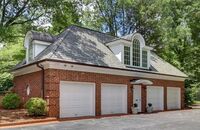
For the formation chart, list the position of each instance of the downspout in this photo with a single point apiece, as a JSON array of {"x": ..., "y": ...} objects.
[{"x": 42, "y": 87}]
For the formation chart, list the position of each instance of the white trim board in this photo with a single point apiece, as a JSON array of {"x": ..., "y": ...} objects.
[{"x": 93, "y": 69}]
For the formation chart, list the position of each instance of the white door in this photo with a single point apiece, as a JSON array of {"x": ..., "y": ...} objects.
[
  {"x": 173, "y": 98},
  {"x": 113, "y": 98},
  {"x": 77, "y": 99},
  {"x": 155, "y": 96},
  {"x": 137, "y": 96}
]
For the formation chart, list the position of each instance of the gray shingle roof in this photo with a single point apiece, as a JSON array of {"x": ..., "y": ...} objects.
[
  {"x": 82, "y": 45},
  {"x": 43, "y": 36},
  {"x": 163, "y": 67}
]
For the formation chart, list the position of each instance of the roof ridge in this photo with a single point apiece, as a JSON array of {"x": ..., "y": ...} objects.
[
  {"x": 93, "y": 30},
  {"x": 59, "y": 41},
  {"x": 34, "y": 31},
  {"x": 116, "y": 37}
]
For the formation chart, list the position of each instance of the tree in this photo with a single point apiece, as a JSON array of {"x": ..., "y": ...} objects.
[
  {"x": 171, "y": 27},
  {"x": 104, "y": 15},
  {"x": 10, "y": 55},
  {"x": 19, "y": 16},
  {"x": 64, "y": 15},
  {"x": 14, "y": 13}
]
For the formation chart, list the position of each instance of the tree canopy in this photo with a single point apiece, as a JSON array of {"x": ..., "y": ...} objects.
[{"x": 171, "y": 27}]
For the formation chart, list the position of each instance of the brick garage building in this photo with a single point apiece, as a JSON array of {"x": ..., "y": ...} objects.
[{"x": 82, "y": 72}]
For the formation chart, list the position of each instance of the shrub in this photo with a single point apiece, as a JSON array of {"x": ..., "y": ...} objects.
[
  {"x": 189, "y": 96},
  {"x": 11, "y": 101},
  {"x": 36, "y": 107},
  {"x": 5, "y": 82}
]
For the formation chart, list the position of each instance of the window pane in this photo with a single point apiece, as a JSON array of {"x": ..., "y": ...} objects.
[
  {"x": 136, "y": 52},
  {"x": 144, "y": 58},
  {"x": 126, "y": 55}
]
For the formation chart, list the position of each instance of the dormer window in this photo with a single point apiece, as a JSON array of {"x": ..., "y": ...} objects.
[
  {"x": 35, "y": 43},
  {"x": 34, "y": 48},
  {"x": 144, "y": 58},
  {"x": 136, "y": 52},
  {"x": 127, "y": 53},
  {"x": 131, "y": 51}
]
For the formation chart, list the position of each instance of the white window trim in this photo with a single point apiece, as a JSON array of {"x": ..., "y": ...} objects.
[
  {"x": 131, "y": 58},
  {"x": 27, "y": 51},
  {"x": 40, "y": 42},
  {"x": 34, "y": 42},
  {"x": 147, "y": 57},
  {"x": 123, "y": 54},
  {"x": 142, "y": 47}
]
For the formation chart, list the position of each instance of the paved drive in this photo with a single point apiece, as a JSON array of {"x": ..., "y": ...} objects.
[{"x": 173, "y": 120}]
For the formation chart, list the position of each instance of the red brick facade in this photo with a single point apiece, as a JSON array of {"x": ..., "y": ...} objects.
[
  {"x": 33, "y": 80},
  {"x": 53, "y": 78}
]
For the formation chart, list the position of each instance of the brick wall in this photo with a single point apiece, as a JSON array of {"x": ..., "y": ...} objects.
[
  {"x": 33, "y": 80},
  {"x": 53, "y": 78}
]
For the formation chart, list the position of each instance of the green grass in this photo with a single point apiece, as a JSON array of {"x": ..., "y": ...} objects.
[{"x": 196, "y": 102}]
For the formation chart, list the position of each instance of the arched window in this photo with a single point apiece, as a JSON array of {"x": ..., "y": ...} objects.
[{"x": 136, "y": 52}]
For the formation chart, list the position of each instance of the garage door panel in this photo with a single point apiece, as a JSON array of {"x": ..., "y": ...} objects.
[
  {"x": 173, "y": 98},
  {"x": 113, "y": 98},
  {"x": 155, "y": 96},
  {"x": 77, "y": 99}
]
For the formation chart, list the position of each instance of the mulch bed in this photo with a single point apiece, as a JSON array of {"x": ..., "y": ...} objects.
[
  {"x": 12, "y": 117},
  {"x": 1, "y": 97}
]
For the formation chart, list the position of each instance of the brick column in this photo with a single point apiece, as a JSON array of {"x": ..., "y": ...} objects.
[
  {"x": 52, "y": 83},
  {"x": 144, "y": 97},
  {"x": 129, "y": 97},
  {"x": 182, "y": 97},
  {"x": 98, "y": 99},
  {"x": 165, "y": 97}
]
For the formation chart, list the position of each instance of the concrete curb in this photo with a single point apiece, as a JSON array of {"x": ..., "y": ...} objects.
[{"x": 21, "y": 123}]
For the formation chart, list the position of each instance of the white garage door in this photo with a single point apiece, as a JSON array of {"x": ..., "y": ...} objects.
[
  {"x": 173, "y": 98},
  {"x": 77, "y": 99},
  {"x": 155, "y": 96},
  {"x": 113, "y": 98}
]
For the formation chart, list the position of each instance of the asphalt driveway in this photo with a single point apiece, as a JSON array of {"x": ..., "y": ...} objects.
[{"x": 173, "y": 120}]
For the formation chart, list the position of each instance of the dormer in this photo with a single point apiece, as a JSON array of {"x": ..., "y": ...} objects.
[
  {"x": 132, "y": 51},
  {"x": 35, "y": 43}
]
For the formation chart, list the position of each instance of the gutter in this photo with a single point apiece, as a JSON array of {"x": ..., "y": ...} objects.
[{"x": 42, "y": 87}]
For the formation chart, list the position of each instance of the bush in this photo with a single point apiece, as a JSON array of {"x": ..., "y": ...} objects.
[
  {"x": 36, "y": 107},
  {"x": 11, "y": 101},
  {"x": 191, "y": 89},
  {"x": 189, "y": 96},
  {"x": 5, "y": 82}
]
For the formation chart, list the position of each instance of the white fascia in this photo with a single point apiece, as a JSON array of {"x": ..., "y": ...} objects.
[{"x": 95, "y": 69}]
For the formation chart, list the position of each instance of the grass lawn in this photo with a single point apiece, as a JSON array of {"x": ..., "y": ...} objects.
[{"x": 196, "y": 102}]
